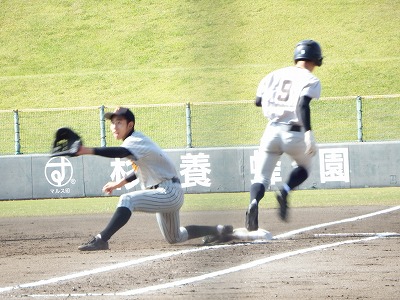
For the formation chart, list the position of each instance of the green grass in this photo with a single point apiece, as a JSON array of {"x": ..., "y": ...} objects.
[
  {"x": 61, "y": 54},
  {"x": 208, "y": 201},
  {"x": 88, "y": 53}
]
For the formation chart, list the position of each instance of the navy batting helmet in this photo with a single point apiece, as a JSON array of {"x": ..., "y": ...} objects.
[{"x": 308, "y": 50}]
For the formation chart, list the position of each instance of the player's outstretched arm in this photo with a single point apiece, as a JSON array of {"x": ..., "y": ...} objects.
[
  {"x": 85, "y": 151},
  {"x": 110, "y": 152}
]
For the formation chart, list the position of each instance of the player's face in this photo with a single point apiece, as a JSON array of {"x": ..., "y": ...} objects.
[{"x": 120, "y": 127}]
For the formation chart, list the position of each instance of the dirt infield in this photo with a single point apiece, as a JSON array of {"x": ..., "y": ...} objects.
[{"x": 344, "y": 260}]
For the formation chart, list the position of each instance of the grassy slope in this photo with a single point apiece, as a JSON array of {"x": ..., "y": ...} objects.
[{"x": 86, "y": 53}]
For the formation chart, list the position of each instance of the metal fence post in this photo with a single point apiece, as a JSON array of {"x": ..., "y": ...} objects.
[
  {"x": 16, "y": 133},
  {"x": 188, "y": 126},
  {"x": 103, "y": 141},
  {"x": 359, "y": 119}
]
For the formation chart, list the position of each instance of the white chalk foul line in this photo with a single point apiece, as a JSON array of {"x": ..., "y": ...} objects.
[
  {"x": 242, "y": 267},
  {"x": 107, "y": 268},
  {"x": 249, "y": 265},
  {"x": 293, "y": 232},
  {"x": 357, "y": 234},
  {"x": 170, "y": 254}
]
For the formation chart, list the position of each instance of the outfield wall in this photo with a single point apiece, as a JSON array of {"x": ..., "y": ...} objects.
[{"x": 202, "y": 170}]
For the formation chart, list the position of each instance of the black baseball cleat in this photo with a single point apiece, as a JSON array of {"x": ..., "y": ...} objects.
[
  {"x": 94, "y": 244},
  {"x": 252, "y": 217},
  {"x": 281, "y": 197},
  {"x": 224, "y": 236}
]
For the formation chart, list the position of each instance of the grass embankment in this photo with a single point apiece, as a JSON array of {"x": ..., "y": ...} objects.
[{"x": 80, "y": 53}]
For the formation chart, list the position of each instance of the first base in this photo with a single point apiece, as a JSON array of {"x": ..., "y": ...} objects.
[{"x": 244, "y": 235}]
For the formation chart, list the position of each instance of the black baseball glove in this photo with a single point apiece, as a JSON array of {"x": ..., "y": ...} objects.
[{"x": 66, "y": 143}]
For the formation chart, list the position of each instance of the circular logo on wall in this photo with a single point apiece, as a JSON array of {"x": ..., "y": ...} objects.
[{"x": 58, "y": 171}]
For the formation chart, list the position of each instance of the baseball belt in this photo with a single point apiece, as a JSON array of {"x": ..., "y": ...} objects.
[
  {"x": 294, "y": 128},
  {"x": 173, "y": 179}
]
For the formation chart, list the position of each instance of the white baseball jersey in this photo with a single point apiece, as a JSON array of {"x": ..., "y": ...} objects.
[
  {"x": 149, "y": 162},
  {"x": 281, "y": 91},
  {"x": 154, "y": 168}
]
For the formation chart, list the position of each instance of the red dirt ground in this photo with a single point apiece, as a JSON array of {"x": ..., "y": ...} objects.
[{"x": 34, "y": 249}]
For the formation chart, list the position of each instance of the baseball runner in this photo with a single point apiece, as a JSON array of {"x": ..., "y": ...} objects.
[
  {"x": 161, "y": 191},
  {"x": 285, "y": 96}
]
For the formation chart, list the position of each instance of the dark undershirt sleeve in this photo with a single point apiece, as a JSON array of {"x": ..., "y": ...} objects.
[
  {"x": 257, "y": 101},
  {"x": 131, "y": 177},
  {"x": 305, "y": 112},
  {"x": 112, "y": 152}
]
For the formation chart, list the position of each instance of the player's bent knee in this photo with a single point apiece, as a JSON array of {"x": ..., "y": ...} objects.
[
  {"x": 303, "y": 171},
  {"x": 171, "y": 242},
  {"x": 181, "y": 237},
  {"x": 262, "y": 181},
  {"x": 125, "y": 201},
  {"x": 174, "y": 240}
]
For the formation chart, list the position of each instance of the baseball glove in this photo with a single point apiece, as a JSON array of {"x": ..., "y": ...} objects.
[{"x": 66, "y": 143}]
